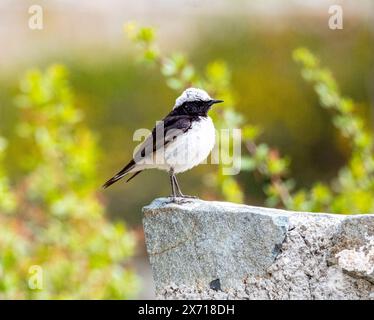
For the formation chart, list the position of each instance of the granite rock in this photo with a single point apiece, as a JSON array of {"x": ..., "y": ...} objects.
[{"x": 218, "y": 250}]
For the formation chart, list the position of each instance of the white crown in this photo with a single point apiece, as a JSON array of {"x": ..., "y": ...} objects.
[{"x": 192, "y": 94}]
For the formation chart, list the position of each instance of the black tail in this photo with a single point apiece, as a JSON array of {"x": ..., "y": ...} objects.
[
  {"x": 121, "y": 174},
  {"x": 113, "y": 180},
  {"x": 119, "y": 177}
]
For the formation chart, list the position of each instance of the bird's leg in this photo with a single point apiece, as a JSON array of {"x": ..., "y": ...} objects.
[
  {"x": 173, "y": 194},
  {"x": 179, "y": 192}
]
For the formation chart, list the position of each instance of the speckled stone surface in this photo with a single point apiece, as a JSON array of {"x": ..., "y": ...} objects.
[{"x": 217, "y": 250}]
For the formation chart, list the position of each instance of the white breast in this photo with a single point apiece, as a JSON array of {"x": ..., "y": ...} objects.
[{"x": 191, "y": 148}]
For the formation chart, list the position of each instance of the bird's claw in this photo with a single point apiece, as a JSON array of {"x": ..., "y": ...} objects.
[
  {"x": 180, "y": 199},
  {"x": 188, "y": 197}
]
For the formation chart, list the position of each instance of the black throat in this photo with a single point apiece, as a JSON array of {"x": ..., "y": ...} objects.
[{"x": 198, "y": 108}]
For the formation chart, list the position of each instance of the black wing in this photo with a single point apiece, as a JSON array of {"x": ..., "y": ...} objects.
[{"x": 171, "y": 127}]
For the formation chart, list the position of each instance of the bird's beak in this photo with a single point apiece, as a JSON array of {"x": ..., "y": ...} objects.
[{"x": 215, "y": 101}]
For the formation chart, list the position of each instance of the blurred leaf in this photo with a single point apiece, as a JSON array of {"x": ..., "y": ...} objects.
[{"x": 57, "y": 220}]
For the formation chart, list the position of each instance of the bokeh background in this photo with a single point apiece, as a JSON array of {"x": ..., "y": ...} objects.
[{"x": 119, "y": 95}]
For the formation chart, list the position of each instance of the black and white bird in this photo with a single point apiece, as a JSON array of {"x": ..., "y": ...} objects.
[{"x": 182, "y": 140}]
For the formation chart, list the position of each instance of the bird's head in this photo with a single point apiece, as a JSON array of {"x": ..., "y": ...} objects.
[{"x": 194, "y": 101}]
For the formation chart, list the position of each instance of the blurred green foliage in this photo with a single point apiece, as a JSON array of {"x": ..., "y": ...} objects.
[
  {"x": 351, "y": 192},
  {"x": 52, "y": 216}
]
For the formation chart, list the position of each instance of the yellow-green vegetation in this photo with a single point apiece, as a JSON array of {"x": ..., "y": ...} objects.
[
  {"x": 51, "y": 217},
  {"x": 352, "y": 191}
]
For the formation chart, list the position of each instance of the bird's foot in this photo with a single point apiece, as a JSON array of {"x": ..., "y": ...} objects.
[
  {"x": 179, "y": 199},
  {"x": 188, "y": 197}
]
